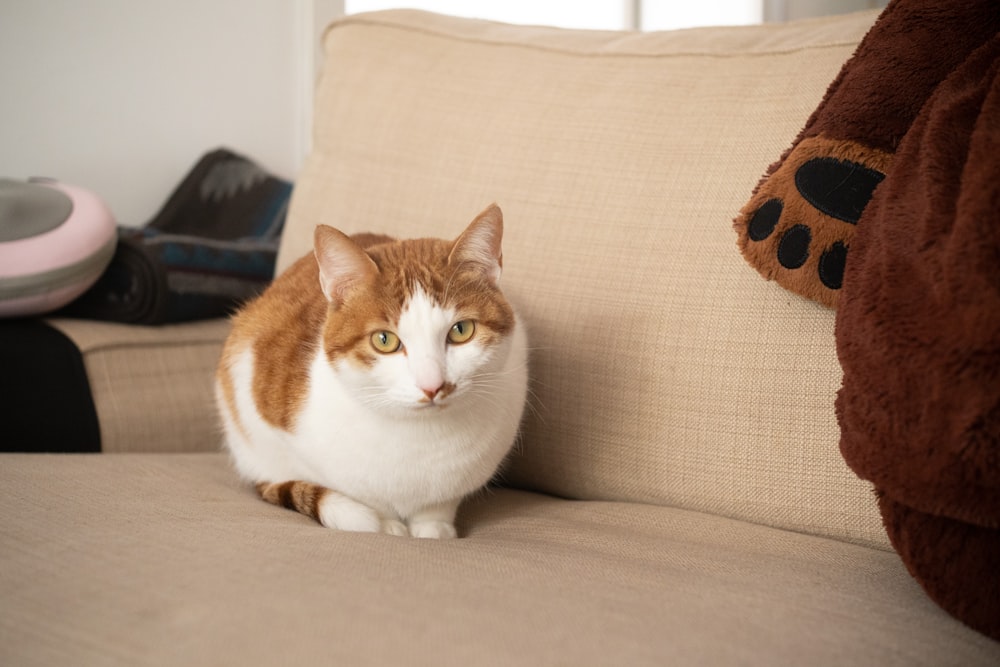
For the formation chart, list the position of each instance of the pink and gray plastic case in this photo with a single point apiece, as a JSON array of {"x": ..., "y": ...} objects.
[{"x": 55, "y": 242}]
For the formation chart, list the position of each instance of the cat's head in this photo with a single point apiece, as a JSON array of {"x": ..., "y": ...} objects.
[{"x": 416, "y": 324}]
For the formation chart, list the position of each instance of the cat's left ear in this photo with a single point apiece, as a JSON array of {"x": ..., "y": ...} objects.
[
  {"x": 480, "y": 244},
  {"x": 343, "y": 265}
]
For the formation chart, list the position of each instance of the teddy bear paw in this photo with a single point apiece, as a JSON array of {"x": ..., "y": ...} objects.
[{"x": 797, "y": 227}]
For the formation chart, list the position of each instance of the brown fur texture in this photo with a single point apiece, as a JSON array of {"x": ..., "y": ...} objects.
[
  {"x": 886, "y": 206},
  {"x": 918, "y": 336},
  {"x": 854, "y": 133}
]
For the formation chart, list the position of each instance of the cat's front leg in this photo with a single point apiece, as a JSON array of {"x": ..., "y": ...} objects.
[
  {"x": 344, "y": 513},
  {"x": 435, "y": 521}
]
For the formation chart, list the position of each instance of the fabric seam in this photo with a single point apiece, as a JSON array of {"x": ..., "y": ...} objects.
[{"x": 361, "y": 20}]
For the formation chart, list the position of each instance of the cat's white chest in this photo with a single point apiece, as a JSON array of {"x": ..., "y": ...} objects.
[{"x": 400, "y": 463}]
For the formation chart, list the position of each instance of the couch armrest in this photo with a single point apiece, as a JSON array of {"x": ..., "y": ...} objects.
[{"x": 152, "y": 386}]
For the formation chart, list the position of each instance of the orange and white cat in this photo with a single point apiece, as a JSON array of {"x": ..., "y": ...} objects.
[{"x": 376, "y": 382}]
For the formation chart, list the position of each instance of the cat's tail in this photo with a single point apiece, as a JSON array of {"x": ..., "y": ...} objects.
[
  {"x": 303, "y": 497},
  {"x": 330, "y": 508}
]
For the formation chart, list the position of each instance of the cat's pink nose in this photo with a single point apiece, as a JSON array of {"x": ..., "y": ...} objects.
[{"x": 431, "y": 392}]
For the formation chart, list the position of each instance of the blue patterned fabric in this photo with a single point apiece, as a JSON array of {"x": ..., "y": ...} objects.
[{"x": 211, "y": 246}]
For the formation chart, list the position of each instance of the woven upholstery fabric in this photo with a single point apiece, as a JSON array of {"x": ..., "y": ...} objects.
[
  {"x": 168, "y": 560},
  {"x": 152, "y": 386},
  {"x": 664, "y": 370}
]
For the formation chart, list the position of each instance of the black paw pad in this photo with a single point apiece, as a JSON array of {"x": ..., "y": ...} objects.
[
  {"x": 831, "y": 265},
  {"x": 764, "y": 220},
  {"x": 793, "y": 249},
  {"x": 839, "y": 188}
]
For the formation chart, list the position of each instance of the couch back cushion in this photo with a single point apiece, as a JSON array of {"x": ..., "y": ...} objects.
[{"x": 665, "y": 370}]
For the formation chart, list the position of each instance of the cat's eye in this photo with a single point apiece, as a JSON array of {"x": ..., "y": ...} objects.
[
  {"x": 385, "y": 342},
  {"x": 462, "y": 331}
]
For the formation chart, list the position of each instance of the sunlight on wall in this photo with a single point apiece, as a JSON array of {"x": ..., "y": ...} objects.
[
  {"x": 595, "y": 14},
  {"x": 606, "y": 15},
  {"x": 671, "y": 15}
]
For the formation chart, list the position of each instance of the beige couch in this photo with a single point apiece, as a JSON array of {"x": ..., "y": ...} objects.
[{"x": 678, "y": 496}]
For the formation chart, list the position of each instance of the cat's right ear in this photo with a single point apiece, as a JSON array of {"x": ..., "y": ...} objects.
[
  {"x": 479, "y": 244},
  {"x": 343, "y": 265}
]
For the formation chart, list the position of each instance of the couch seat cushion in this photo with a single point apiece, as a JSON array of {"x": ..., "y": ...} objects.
[{"x": 148, "y": 559}]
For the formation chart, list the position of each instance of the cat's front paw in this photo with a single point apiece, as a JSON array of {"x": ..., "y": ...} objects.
[
  {"x": 437, "y": 530},
  {"x": 394, "y": 527},
  {"x": 342, "y": 513}
]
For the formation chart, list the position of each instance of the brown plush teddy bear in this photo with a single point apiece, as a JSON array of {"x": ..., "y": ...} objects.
[
  {"x": 887, "y": 207},
  {"x": 797, "y": 227}
]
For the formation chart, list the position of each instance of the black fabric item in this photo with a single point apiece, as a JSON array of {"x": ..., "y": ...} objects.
[
  {"x": 225, "y": 196},
  {"x": 44, "y": 391},
  {"x": 131, "y": 289},
  {"x": 212, "y": 246},
  {"x": 156, "y": 278}
]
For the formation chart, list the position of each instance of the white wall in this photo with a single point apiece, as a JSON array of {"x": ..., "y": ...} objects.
[
  {"x": 660, "y": 15},
  {"x": 123, "y": 97}
]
